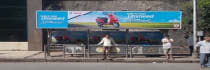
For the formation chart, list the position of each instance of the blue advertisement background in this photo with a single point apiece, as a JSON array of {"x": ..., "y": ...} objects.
[{"x": 52, "y": 19}]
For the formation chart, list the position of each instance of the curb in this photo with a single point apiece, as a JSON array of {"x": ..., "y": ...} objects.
[{"x": 99, "y": 61}]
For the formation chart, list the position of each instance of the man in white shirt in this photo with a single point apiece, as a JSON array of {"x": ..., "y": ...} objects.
[
  {"x": 167, "y": 50},
  {"x": 107, "y": 44},
  {"x": 204, "y": 51}
]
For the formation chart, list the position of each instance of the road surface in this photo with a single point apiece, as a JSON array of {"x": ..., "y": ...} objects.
[{"x": 100, "y": 66}]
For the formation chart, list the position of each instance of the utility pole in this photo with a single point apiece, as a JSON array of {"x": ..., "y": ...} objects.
[{"x": 194, "y": 26}]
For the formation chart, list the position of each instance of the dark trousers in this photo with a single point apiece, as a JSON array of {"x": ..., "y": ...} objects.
[
  {"x": 106, "y": 54},
  {"x": 191, "y": 50}
]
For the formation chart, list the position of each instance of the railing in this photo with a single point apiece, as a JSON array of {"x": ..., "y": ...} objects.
[{"x": 121, "y": 49}]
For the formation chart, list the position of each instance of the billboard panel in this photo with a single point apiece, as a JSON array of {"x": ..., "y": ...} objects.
[
  {"x": 73, "y": 37},
  {"x": 118, "y": 36},
  {"x": 51, "y": 19},
  {"x": 125, "y": 19},
  {"x": 145, "y": 38},
  {"x": 109, "y": 19}
]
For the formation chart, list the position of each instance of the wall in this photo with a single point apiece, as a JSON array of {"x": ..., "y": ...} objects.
[
  {"x": 118, "y": 5},
  {"x": 35, "y": 41}
]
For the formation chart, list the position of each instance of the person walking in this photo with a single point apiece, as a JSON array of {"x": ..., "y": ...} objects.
[
  {"x": 107, "y": 44},
  {"x": 204, "y": 51},
  {"x": 167, "y": 49}
]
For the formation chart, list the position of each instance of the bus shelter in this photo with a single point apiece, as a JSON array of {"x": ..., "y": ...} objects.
[
  {"x": 84, "y": 42},
  {"x": 135, "y": 32}
]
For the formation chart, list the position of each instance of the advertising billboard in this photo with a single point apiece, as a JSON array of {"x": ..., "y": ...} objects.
[
  {"x": 145, "y": 38},
  {"x": 51, "y": 19},
  {"x": 125, "y": 19},
  {"x": 118, "y": 36},
  {"x": 109, "y": 19},
  {"x": 73, "y": 37}
]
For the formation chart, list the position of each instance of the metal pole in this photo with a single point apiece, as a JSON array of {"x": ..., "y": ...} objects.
[
  {"x": 127, "y": 30},
  {"x": 88, "y": 45},
  {"x": 45, "y": 53},
  {"x": 194, "y": 25}
]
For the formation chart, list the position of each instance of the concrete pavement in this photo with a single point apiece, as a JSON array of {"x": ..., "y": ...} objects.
[
  {"x": 17, "y": 54},
  {"x": 38, "y": 56}
]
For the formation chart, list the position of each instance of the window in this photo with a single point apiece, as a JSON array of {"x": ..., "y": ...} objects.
[{"x": 13, "y": 21}]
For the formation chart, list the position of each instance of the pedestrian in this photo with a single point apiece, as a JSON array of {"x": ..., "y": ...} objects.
[
  {"x": 107, "y": 44},
  {"x": 167, "y": 49},
  {"x": 190, "y": 44},
  {"x": 204, "y": 51}
]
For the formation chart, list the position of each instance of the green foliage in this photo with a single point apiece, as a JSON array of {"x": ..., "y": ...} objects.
[
  {"x": 204, "y": 14},
  {"x": 187, "y": 12}
]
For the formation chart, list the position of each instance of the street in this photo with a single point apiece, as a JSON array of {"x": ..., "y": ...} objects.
[{"x": 99, "y": 66}]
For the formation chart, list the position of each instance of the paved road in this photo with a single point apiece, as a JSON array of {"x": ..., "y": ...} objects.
[{"x": 100, "y": 66}]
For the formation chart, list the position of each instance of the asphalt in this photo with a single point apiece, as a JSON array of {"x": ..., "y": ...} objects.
[{"x": 100, "y": 66}]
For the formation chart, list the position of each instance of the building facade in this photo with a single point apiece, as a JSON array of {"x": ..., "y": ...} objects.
[{"x": 20, "y": 20}]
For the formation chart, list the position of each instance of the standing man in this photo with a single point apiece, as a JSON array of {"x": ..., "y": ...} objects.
[
  {"x": 204, "y": 51},
  {"x": 166, "y": 43},
  {"x": 107, "y": 44},
  {"x": 190, "y": 44}
]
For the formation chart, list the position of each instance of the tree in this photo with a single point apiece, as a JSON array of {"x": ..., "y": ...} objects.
[
  {"x": 187, "y": 16},
  {"x": 204, "y": 15}
]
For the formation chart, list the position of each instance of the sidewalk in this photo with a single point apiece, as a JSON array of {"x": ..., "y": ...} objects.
[{"x": 38, "y": 56}]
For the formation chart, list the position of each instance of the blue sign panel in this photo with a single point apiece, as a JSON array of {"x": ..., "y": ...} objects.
[{"x": 52, "y": 19}]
